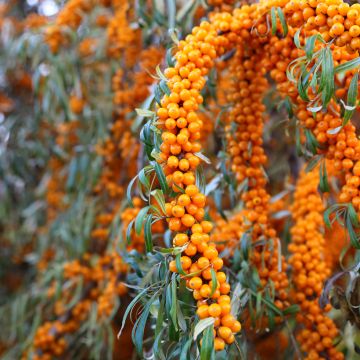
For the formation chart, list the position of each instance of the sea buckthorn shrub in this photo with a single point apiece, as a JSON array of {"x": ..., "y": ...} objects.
[{"x": 153, "y": 136}]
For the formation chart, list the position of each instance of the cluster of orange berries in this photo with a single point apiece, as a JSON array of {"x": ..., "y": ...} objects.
[
  {"x": 122, "y": 37},
  {"x": 101, "y": 285},
  {"x": 245, "y": 146},
  {"x": 310, "y": 269},
  {"x": 332, "y": 19},
  {"x": 182, "y": 130},
  {"x": 71, "y": 15}
]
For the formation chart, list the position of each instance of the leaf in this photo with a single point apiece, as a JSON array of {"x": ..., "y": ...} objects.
[
  {"x": 171, "y": 14},
  {"x": 324, "y": 183},
  {"x": 273, "y": 21},
  {"x": 310, "y": 44},
  {"x": 347, "y": 66},
  {"x": 185, "y": 349},
  {"x": 297, "y": 38},
  {"x": 313, "y": 163},
  {"x": 353, "y": 215},
  {"x": 169, "y": 58},
  {"x": 157, "y": 351},
  {"x": 282, "y": 21},
  {"x": 214, "y": 282},
  {"x": 179, "y": 267},
  {"x": 148, "y": 234},
  {"x": 207, "y": 346},
  {"x": 128, "y": 231},
  {"x": 160, "y": 317},
  {"x": 329, "y": 283},
  {"x": 140, "y": 219},
  {"x": 202, "y": 157},
  {"x": 160, "y": 74},
  {"x": 144, "y": 179},
  {"x": 128, "y": 310},
  {"x": 164, "y": 87},
  {"x": 335, "y": 130},
  {"x": 139, "y": 327},
  {"x": 160, "y": 199},
  {"x": 351, "y": 98},
  {"x": 292, "y": 309},
  {"x": 311, "y": 141},
  {"x": 327, "y": 84},
  {"x": 144, "y": 112},
  {"x": 202, "y": 325},
  {"x": 161, "y": 177},
  {"x": 352, "y": 234},
  {"x": 174, "y": 301},
  {"x": 299, "y": 151}
]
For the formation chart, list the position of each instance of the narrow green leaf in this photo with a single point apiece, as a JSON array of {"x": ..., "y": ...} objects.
[
  {"x": 178, "y": 264},
  {"x": 161, "y": 177},
  {"x": 207, "y": 347},
  {"x": 324, "y": 183},
  {"x": 273, "y": 21},
  {"x": 202, "y": 325},
  {"x": 291, "y": 310},
  {"x": 283, "y": 21},
  {"x": 214, "y": 281},
  {"x": 128, "y": 231},
  {"x": 139, "y": 327},
  {"x": 144, "y": 112},
  {"x": 144, "y": 179},
  {"x": 349, "y": 65},
  {"x": 313, "y": 163},
  {"x": 140, "y": 219},
  {"x": 174, "y": 301},
  {"x": 148, "y": 234},
  {"x": 351, "y": 98},
  {"x": 164, "y": 87},
  {"x": 185, "y": 350},
  {"x": 129, "y": 308}
]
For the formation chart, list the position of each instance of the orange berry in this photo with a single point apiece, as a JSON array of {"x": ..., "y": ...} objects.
[
  {"x": 191, "y": 190},
  {"x": 224, "y": 332},
  {"x": 228, "y": 321},
  {"x": 236, "y": 327},
  {"x": 178, "y": 211},
  {"x": 180, "y": 239},
  {"x": 224, "y": 299},
  {"x": 174, "y": 224},
  {"x": 230, "y": 339},
  {"x": 173, "y": 162},
  {"x": 168, "y": 138},
  {"x": 214, "y": 310},
  {"x": 219, "y": 344},
  {"x": 203, "y": 262},
  {"x": 211, "y": 253},
  {"x": 225, "y": 288},
  {"x": 221, "y": 277},
  {"x": 225, "y": 308},
  {"x": 191, "y": 250},
  {"x": 185, "y": 262},
  {"x": 217, "y": 263},
  {"x": 206, "y": 274},
  {"x": 203, "y": 311},
  {"x": 188, "y": 220},
  {"x": 195, "y": 283},
  {"x": 207, "y": 226},
  {"x": 205, "y": 291}
]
